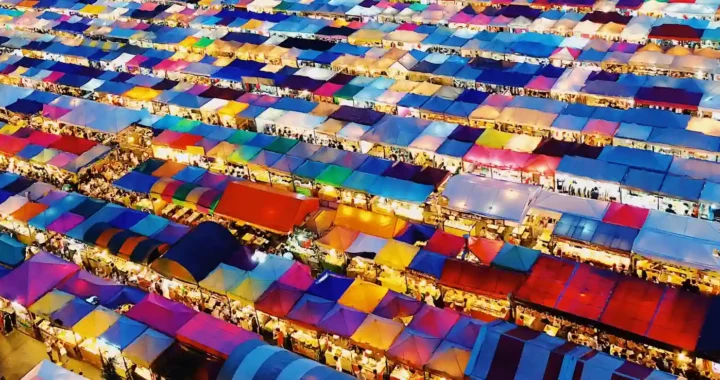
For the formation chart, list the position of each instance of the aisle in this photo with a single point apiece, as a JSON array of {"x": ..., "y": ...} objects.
[{"x": 19, "y": 354}]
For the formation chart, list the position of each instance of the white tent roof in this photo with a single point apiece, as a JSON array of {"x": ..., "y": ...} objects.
[
  {"x": 46, "y": 370},
  {"x": 491, "y": 198},
  {"x": 562, "y": 204}
]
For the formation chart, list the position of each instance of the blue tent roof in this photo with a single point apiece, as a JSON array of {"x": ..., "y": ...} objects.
[
  {"x": 643, "y": 180},
  {"x": 636, "y": 158},
  {"x": 330, "y": 286},
  {"x": 182, "y": 260},
  {"x": 136, "y": 181},
  {"x": 257, "y": 360},
  {"x": 516, "y": 257},
  {"x": 593, "y": 169},
  {"x": 12, "y": 252},
  {"x": 682, "y": 187},
  {"x": 429, "y": 263},
  {"x": 123, "y": 332}
]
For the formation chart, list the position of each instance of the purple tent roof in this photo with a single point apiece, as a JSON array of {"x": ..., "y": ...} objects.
[
  {"x": 161, "y": 314},
  {"x": 466, "y": 134},
  {"x": 310, "y": 309},
  {"x": 84, "y": 285},
  {"x": 171, "y": 233},
  {"x": 53, "y": 196},
  {"x": 65, "y": 223},
  {"x": 396, "y": 305},
  {"x": 357, "y": 115},
  {"x": 402, "y": 170},
  {"x": 35, "y": 277},
  {"x": 431, "y": 176},
  {"x": 342, "y": 321}
]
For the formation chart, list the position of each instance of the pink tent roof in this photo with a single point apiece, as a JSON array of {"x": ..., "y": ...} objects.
[
  {"x": 481, "y": 19},
  {"x": 166, "y": 137},
  {"x": 434, "y": 321},
  {"x": 65, "y": 222},
  {"x": 298, "y": 276},
  {"x": 55, "y": 75},
  {"x": 62, "y": 159},
  {"x": 497, "y": 158},
  {"x": 461, "y": 17},
  {"x": 541, "y": 83},
  {"x": 328, "y": 89},
  {"x": 213, "y": 335},
  {"x": 43, "y": 139},
  {"x": 410, "y": 27},
  {"x": 601, "y": 127},
  {"x": 136, "y": 60},
  {"x": 53, "y": 112},
  {"x": 35, "y": 277},
  {"x": 161, "y": 314}
]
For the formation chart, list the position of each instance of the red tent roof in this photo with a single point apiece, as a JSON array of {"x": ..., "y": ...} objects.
[
  {"x": 265, "y": 207},
  {"x": 587, "y": 292},
  {"x": 679, "y": 318},
  {"x": 626, "y": 215},
  {"x": 278, "y": 300},
  {"x": 445, "y": 244},
  {"x": 675, "y": 32},
  {"x": 485, "y": 249},
  {"x": 542, "y": 164},
  {"x": 547, "y": 281},
  {"x": 72, "y": 144},
  {"x": 489, "y": 281},
  {"x": 633, "y": 305}
]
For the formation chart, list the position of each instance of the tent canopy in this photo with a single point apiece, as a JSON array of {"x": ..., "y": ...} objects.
[
  {"x": 264, "y": 207},
  {"x": 257, "y": 360},
  {"x": 212, "y": 335}
]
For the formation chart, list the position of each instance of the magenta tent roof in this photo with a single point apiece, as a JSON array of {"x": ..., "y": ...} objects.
[
  {"x": 298, "y": 277},
  {"x": 396, "y": 305},
  {"x": 433, "y": 321},
  {"x": 35, "y": 277},
  {"x": 342, "y": 321},
  {"x": 213, "y": 335},
  {"x": 65, "y": 223},
  {"x": 161, "y": 314},
  {"x": 84, "y": 285},
  {"x": 62, "y": 159}
]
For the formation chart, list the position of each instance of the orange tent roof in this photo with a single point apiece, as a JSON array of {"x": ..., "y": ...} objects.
[
  {"x": 265, "y": 207},
  {"x": 28, "y": 211},
  {"x": 368, "y": 222}
]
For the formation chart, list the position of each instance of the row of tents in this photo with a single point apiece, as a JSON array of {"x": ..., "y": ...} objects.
[
  {"x": 148, "y": 334},
  {"x": 680, "y": 22}
]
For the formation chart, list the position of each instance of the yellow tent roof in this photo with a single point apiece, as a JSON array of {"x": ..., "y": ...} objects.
[
  {"x": 363, "y": 295},
  {"x": 142, "y": 93},
  {"x": 9, "y": 129},
  {"x": 339, "y": 238},
  {"x": 96, "y": 323},
  {"x": 368, "y": 222},
  {"x": 233, "y": 108},
  {"x": 396, "y": 254},
  {"x": 377, "y": 332},
  {"x": 50, "y": 303},
  {"x": 189, "y": 41},
  {"x": 493, "y": 138},
  {"x": 93, "y": 9}
]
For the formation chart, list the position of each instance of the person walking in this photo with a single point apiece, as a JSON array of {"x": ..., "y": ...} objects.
[{"x": 49, "y": 350}]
